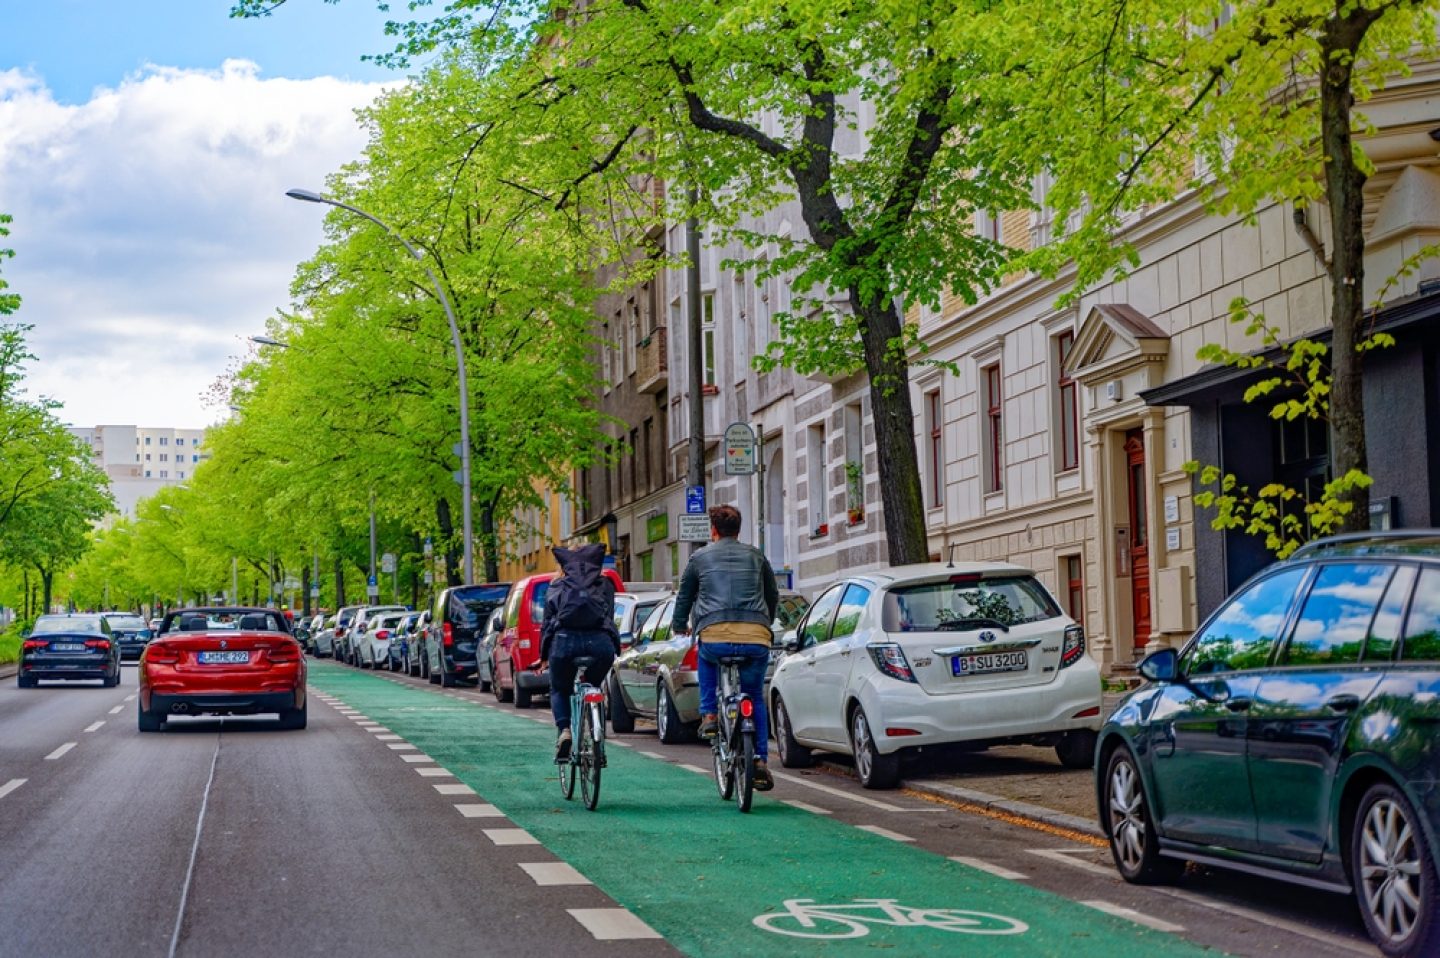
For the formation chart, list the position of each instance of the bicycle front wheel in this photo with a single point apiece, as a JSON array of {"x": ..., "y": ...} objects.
[
  {"x": 590, "y": 758},
  {"x": 720, "y": 764},
  {"x": 567, "y": 774},
  {"x": 744, "y": 766}
]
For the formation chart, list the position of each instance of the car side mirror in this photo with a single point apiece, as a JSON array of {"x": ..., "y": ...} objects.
[
  {"x": 1161, "y": 666},
  {"x": 792, "y": 643}
]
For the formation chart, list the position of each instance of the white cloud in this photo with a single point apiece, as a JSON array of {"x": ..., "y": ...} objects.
[{"x": 152, "y": 234}]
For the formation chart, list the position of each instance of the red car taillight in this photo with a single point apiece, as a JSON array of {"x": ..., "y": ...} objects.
[
  {"x": 383, "y": 634},
  {"x": 691, "y": 661},
  {"x": 447, "y": 634},
  {"x": 102, "y": 644},
  {"x": 339, "y": 632},
  {"x": 160, "y": 655},
  {"x": 1074, "y": 646},
  {"x": 890, "y": 659},
  {"x": 34, "y": 645},
  {"x": 285, "y": 653}
]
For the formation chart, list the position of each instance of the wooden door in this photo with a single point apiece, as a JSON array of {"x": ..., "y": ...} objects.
[{"x": 1135, "y": 489}]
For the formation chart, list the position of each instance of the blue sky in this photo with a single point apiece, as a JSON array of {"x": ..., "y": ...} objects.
[{"x": 145, "y": 148}]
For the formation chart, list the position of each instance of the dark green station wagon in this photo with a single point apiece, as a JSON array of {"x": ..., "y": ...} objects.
[{"x": 1297, "y": 735}]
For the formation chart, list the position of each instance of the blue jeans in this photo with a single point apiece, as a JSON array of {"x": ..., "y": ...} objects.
[
  {"x": 565, "y": 648},
  {"x": 752, "y": 683}
]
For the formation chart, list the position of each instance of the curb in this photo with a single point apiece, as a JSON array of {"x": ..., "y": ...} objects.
[
  {"x": 996, "y": 803},
  {"x": 6, "y": 671}
]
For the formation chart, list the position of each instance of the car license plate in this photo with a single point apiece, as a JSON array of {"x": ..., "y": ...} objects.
[
  {"x": 67, "y": 646},
  {"x": 224, "y": 658},
  {"x": 983, "y": 662}
]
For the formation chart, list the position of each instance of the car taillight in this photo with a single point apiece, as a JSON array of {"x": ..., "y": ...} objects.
[
  {"x": 160, "y": 655},
  {"x": 102, "y": 644},
  {"x": 447, "y": 634},
  {"x": 1074, "y": 646},
  {"x": 890, "y": 659},
  {"x": 691, "y": 661},
  {"x": 34, "y": 645},
  {"x": 383, "y": 634},
  {"x": 285, "y": 653},
  {"x": 339, "y": 631}
]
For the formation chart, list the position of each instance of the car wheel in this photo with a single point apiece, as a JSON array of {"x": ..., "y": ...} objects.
[
  {"x": 667, "y": 718},
  {"x": 874, "y": 769},
  {"x": 522, "y": 696},
  {"x": 1133, "y": 842},
  {"x": 295, "y": 719},
  {"x": 1394, "y": 874},
  {"x": 110, "y": 681},
  {"x": 621, "y": 718},
  {"x": 792, "y": 753},
  {"x": 25, "y": 682},
  {"x": 448, "y": 680},
  {"x": 150, "y": 721},
  {"x": 1077, "y": 749}
]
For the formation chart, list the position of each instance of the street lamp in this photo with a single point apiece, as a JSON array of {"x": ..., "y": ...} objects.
[{"x": 312, "y": 197}]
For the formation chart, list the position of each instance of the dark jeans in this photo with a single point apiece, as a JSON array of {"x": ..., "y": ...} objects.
[
  {"x": 565, "y": 648},
  {"x": 752, "y": 683}
]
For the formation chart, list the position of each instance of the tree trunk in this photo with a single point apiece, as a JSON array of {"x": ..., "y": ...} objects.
[
  {"x": 453, "y": 555},
  {"x": 489, "y": 542},
  {"x": 47, "y": 579},
  {"x": 305, "y": 589},
  {"x": 1344, "y": 188},
  {"x": 339, "y": 580}
]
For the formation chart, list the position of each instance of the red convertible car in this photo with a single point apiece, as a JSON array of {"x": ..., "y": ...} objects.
[{"x": 222, "y": 661}]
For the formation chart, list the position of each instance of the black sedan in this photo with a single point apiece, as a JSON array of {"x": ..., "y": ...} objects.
[
  {"x": 1294, "y": 736},
  {"x": 131, "y": 632},
  {"x": 69, "y": 647}
]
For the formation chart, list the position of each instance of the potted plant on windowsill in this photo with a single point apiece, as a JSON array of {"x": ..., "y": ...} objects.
[
  {"x": 823, "y": 529},
  {"x": 855, "y": 492}
]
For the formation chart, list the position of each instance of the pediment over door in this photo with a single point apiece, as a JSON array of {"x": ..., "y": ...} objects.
[{"x": 1113, "y": 340}]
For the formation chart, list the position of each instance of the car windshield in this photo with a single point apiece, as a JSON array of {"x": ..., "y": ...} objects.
[
  {"x": 470, "y": 606},
  {"x": 967, "y": 602},
  {"x": 51, "y": 624},
  {"x": 217, "y": 620},
  {"x": 127, "y": 623}
]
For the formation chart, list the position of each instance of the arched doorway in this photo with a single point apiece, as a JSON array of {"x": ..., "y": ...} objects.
[{"x": 775, "y": 505}]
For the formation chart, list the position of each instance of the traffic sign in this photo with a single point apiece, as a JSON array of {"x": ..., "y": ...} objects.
[
  {"x": 739, "y": 450},
  {"x": 695, "y": 501},
  {"x": 387, "y": 562},
  {"x": 372, "y": 581},
  {"x": 314, "y": 592},
  {"x": 694, "y": 528}
]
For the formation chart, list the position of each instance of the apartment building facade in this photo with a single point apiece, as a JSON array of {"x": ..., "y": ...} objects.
[{"x": 142, "y": 460}]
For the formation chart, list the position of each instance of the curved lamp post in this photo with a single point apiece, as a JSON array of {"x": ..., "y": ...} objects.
[
  {"x": 268, "y": 341},
  {"x": 312, "y": 197}
]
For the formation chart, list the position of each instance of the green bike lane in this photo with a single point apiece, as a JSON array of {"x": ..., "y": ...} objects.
[{"x": 664, "y": 845}]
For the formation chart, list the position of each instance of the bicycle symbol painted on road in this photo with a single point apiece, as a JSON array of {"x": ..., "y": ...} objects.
[{"x": 803, "y": 918}]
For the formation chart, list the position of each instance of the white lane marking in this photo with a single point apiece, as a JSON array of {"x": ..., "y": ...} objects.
[
  {"x": 94, "y": 725},
  {"x": 479, "y": 810},
  {"x": 840, "y": 793},
  {"x": 655, "y": 755},
  {"x": 1064, "y": 855},
  {"x": 60, "y": 752},
  {"x": 11, "y": 785},
  {"x": 429, "y": 772},
  {"x": 885, "y": 833},
  {"x": 130, "y": 697},
  {"x": 116, "y": 710},
  {"x": 988, "y": 868},
  {"x": 695, "y": 768},
  {"x": 554, "y": 873},
  {"x": 1130, "y": 914},
  {"x": 454, "y": 788},
  {"x": 510, "y": 836},
  {"x": 1294, "y": 928},
  {"x": 378, "y": 731},
  {"x": 612, "y": 924},
  {"x": 812, "y": 809},
  {"x": 387, "y": 738},
  {"x": 417, "y": 758},
  {"x": 611, "y": 741},
  {"x": 399, "y": 746},
  {"x": 194, "y": 851}
]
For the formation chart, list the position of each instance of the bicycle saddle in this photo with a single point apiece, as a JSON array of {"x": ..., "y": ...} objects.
[
  {"x": 734, "y": 659},
  {"x": 583, "y": 661}
]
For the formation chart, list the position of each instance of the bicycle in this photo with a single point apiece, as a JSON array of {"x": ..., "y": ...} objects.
[
  {"x": 733, "y": 748},
  {"x": 804, "y": 918},
  {"x": 587, "y": 747}
]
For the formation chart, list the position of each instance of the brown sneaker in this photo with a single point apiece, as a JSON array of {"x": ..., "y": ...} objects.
[
  {"x": 763, "y": 779},
  {"x": 562, "y": 746},
  {"x": 708, "y": 726}
]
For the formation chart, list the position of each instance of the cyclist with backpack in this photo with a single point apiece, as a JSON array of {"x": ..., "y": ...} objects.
[{"x": 579, "y": 621}]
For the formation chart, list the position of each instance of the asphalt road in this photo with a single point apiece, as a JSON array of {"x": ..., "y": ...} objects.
[{"x": 412, "y": 820}]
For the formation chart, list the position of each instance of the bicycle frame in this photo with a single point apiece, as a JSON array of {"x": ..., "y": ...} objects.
[
  {"x": 587, "y": 748},
  {"x": 733, "y": 750}
]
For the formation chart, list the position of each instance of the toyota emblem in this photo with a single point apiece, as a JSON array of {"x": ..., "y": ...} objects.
[{"x": 987, "y": 636}]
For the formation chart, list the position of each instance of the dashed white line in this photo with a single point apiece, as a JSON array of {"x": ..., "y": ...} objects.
[
  {"x": 812, "y": 809},
  {"x": 130, "y": 697},
  {"x": 60, "y": 752},
  {"x": 612, "y": 924},
  {"x": 1065, "y": 856},
  {"x": 116, "y": 710},
  {"x": 479, "y": 810},
  {"x": 11, "y": 785},
  {"x": 654, "y": 755},
  {"x": 617, "y": 744},
  {"x": 695, "y": 768},
  {"x": 1130, "y": 914},
  {"x": 554, "y": 873},
  {"x": 417, "y": 758},
  {"x": 454, "y": 788},
  {"x": 1294, "y": 927},
  {"x": 387, "y": 738},
  {"x": 885, "y": 833},
  {"x": 430, "y": 772},
  {"x": 840, "y": 793},
  {"x": 94, "y": 725},
  {"x": 399, "y": 746},
  {"x": 510, "y": 836},
  {"x": 378, "y": 731},
  {"x": 988, "y": 868}
]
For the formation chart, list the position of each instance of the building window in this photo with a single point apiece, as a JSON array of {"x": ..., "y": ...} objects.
[
  {"x": 634, "y": 463},
  {"x": 605, "y": 354},
  {"x": 147, "y": 457},
  {"x": 994, "y": 429},
  {"x": 164, "y": 440},
  {"x": 164, "y": 457},
  {"x": 815, "y": 460},
  {"x": 164, "y": 474},
  {"x": 194, "y": 458},
  {"x": 1067, "y": 406},
  {"x": 180, "y": 475},
  {"x": 179, "y": 440},
  {"x": 147, "y": 473},
  {"x": 707, "y": 322},
  {"x": 935, "y": 426},
  {"x": 987, "y": 225},
  {"x": 147, "y": 440},
  {"x": 633, "y": 334},
  {"x": 1073, "y": 576},
  {"x": 646, "y": 451}
]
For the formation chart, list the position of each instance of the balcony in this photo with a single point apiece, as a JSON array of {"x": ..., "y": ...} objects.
[{"x": 652, "y": 363}]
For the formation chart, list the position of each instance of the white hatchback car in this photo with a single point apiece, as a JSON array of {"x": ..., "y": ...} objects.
[{"x": 975, "y": 653}]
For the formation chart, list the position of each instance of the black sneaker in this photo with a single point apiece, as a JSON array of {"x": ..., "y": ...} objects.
[
  {"x": 763, "y": 780},
  {"x": 708, "y": 726},
  {"x": 562, "y": 746}
]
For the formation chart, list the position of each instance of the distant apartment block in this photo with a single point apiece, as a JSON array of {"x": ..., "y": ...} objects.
[{"x": 141, "y": 461}]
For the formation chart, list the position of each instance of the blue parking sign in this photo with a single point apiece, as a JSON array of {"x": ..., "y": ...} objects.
[{"x": 694, "y": 500}]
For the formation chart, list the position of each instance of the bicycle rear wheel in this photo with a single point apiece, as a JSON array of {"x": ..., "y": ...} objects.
[
  {"x": 720, "y": 763},
  {"x": 744, "y": 766},
  {"x": 590, "y": 758},
  {"x": 567, "y": 773}
]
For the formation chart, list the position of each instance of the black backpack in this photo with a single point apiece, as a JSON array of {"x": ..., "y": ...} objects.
[{"x": 583, "y": 598}]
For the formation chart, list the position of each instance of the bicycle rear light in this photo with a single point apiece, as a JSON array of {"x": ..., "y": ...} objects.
[
  {"x": 594, "y": 697},
  {"x": 747, "y": 708},
  {"x": 890, "y": 659}
]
